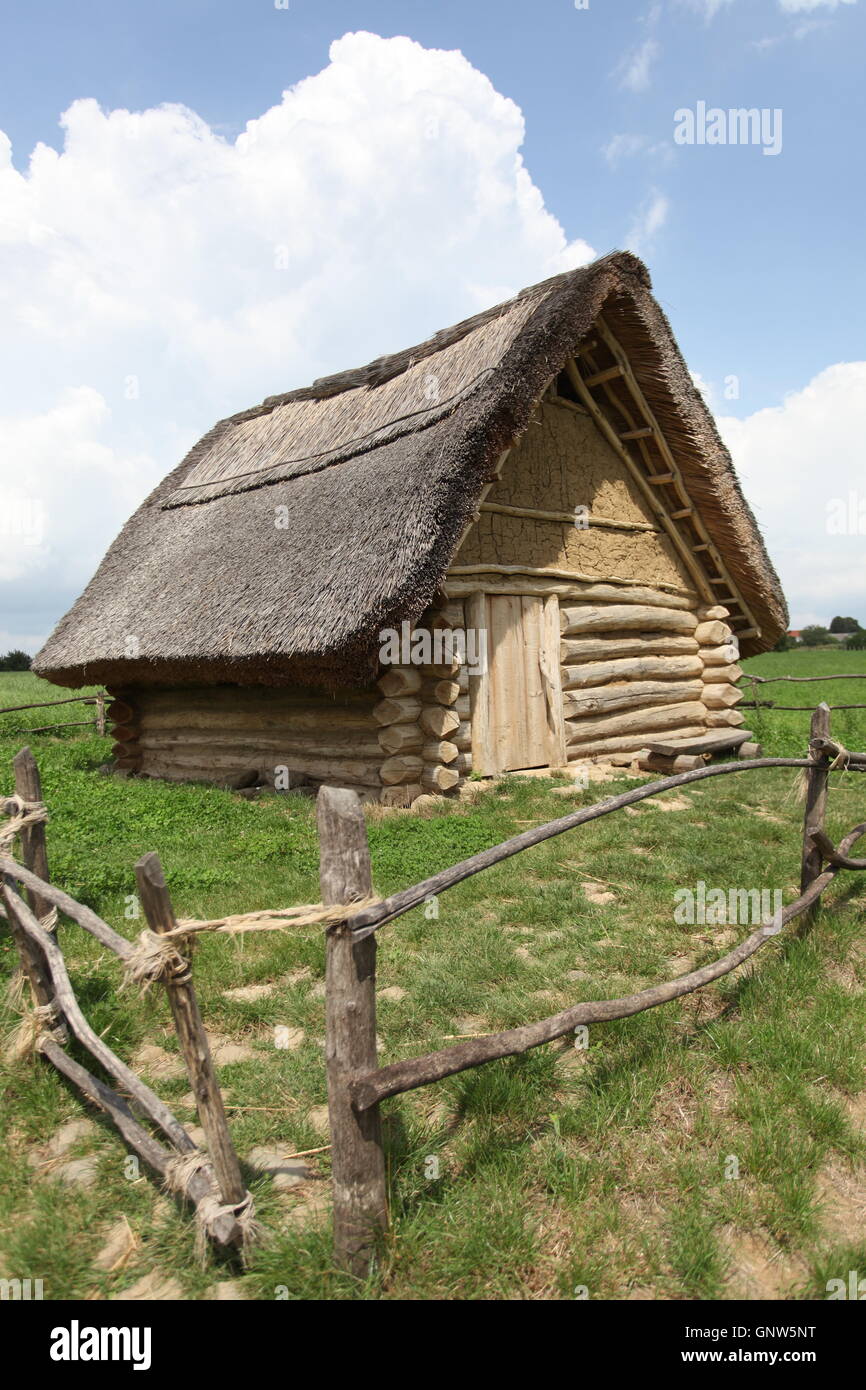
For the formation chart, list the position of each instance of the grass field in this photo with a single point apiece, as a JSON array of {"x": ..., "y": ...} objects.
[{"x": 714, "y": 1148}]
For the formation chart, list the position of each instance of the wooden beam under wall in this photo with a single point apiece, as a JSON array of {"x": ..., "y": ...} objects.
[{"x": 616, "y": 443}]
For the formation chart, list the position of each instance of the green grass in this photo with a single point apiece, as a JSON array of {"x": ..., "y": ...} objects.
[
  {"x": 784, "y": 733},
  {"x": 557, "y": 1171}
]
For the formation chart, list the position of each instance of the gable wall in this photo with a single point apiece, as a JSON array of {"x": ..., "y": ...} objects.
[{"x": 563, "y": 462}]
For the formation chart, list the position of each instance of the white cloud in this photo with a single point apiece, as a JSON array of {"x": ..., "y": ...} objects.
[
  {"x": 155, "y": 276},
  {"x": 801, "y": 464},
  {"x": 649, "y": 220},
  {"x": 800, "y": 6},
  {"x": 708, "y": 8},
  {"x": 628, "y": 146},
  {"x": 634, "y": 70}
]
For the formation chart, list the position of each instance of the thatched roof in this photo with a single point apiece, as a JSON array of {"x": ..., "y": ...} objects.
[{"x": 379, "y": 470}]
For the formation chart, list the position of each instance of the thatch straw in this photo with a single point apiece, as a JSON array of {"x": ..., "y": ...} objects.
[{"x": 379, "y": 471}]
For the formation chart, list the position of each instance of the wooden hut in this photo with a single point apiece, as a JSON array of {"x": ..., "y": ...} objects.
[{"x": 544, "y": 472}]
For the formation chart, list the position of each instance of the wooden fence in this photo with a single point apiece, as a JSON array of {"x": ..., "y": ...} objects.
[
  {"x": 351, "y": 916},
  {"x": 757, "y": 681},
  {"x": 98, "y": 700}
]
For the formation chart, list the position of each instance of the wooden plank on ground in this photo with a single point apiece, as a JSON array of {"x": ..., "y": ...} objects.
[{"x": 705, "y": 743}]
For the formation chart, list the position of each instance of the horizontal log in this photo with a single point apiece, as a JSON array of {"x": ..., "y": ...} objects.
[
  {"x": 439, "y": 752},
  {"x": 626, "y": 743},
  {"x": 636, "y": 722},
  {"x": 566, "y": 518},
  {"x": 295, "y": 719},
  {"x": 718, "y": 675},
  {"x": 571, "y": 588},
  {"x": 750, "y": 750},
  {"x": 125, "y": 733},
  {"x": 405, "y": 767},
  {"x": 625, "y": 618},
  {"x": 707, "y": 613},
  {"x": 445, "y": 670},
  {"x": 439, "y": 720},
  {"x": 713, "y": 634},
  {"x": 462, "y": 706},
  {"x": 631, "y": 695},
  {"x": 249, "y": 697},
  {"x": 725, "y": 655},
  {"x": 400, "y": 680},
  {"x": 442, "y": 692},
  {"x": 721, "y": 696},
  {"x": 724, "y": 718},
  {"x": 594, "y": 673},
  {"x": 179, "y": 768},
  {"x": 711, "y": 741},
  {"x": 682, "y": 762},
  {"x": 120, "y": 712},
  {"x": 126, "y": 750},
  {"x": 436, "y": 778},
  {"x": 464, "y": 763},
  {"x": 401, "y": 738},
  {"x": 462, "y": 736},
  {"x": 400, "y": 710},
  {"x": 613, "y": 648},
  {"x": 270, "y": 747}
]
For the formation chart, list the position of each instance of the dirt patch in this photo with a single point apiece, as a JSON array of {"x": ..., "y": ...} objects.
[
  {"x": 121, "y": 1242},
  {"x": 157, "y": 1286},
  {"x": 669, "y": 803},
  {"x": 158, "y": 1063},
  {"x": 842, "y": 1194},
  {"x": 594, "y": 894},
  {"x": 758, "y": 1268},
  {"x": 247, "y": 994}
]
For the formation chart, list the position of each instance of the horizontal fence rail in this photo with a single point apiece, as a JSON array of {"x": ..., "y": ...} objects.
[
  {"x": 356, "y": 1083},
  {"x": 99, "y": 722}
]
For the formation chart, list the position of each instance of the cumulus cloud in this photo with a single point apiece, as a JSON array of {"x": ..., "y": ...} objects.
[
  {"x": 799, "y": 6},
  {"x": 649, "y": 219},
  {"x": 635, "y": 69},
  {"x": 155, "y": 276},
  {"x": 801, "y": 465}
]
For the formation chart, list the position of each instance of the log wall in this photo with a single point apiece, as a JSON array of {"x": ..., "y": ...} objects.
[{"x": 220, "y": 733}]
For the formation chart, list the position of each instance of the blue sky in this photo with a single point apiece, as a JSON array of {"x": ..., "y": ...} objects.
[{"x": 757, "y": 259}]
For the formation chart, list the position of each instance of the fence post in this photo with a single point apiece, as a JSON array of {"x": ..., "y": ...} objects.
[
  {"x": 358, "y": 1164},
  {"x": 816, "y": 804},
  {"x": 28, "y": 785},
  {"x": 156, "y": 902},
  {"x": 100, "y": 714}
]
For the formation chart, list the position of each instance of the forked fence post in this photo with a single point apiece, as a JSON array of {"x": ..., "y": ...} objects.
[
  {"x": 358, "y": 1163},
  {"x": 816, "y": 805},
  {"x": 34, "y": 852},
  {"x": 156, "y": 902}
]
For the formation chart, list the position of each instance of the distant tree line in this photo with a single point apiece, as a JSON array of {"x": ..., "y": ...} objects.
[
  {"x": 817, "y": 636},
  {"x": 15, "y": 661}
]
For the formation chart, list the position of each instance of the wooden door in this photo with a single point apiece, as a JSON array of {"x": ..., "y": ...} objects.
[{"x": 517, "y": 713}]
